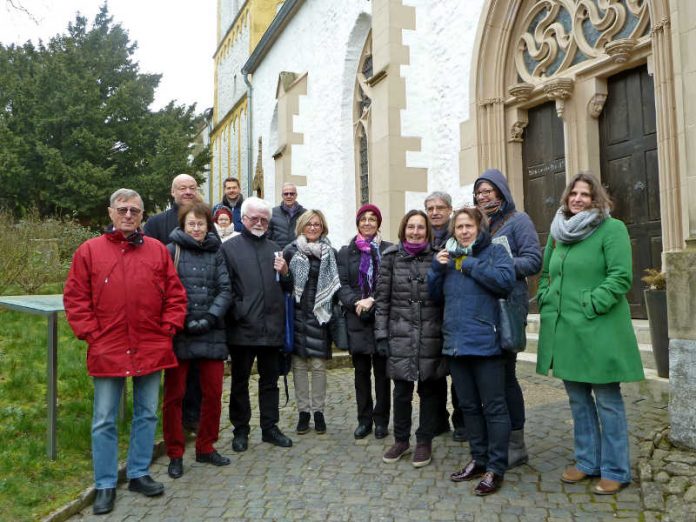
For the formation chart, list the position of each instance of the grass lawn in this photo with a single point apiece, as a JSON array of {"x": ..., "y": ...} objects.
[{"x": 31, "y": 486}]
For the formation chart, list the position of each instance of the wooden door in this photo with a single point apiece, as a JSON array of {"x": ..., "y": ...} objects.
[
  {"x": 628, "y": 154},
  {"x": 544, "y": 177}
]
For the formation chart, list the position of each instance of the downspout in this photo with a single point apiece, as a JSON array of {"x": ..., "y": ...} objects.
[{"x": 250, "y": 138}]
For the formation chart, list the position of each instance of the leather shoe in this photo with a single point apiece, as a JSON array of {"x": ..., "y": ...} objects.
[
  {"x": 146, "y": 486},
  {"x": 471, "y": 471},
  {"x": 572, "y": 475},
  {"x": 276, "y": 437},
  {"x": 608, "y": 487},
  {"x": 240, "y": 442},
  {"x": 381, "y": 432},
  {"x": 175, "y": 468},
  {"x": 362, "y": 431},
  {"x": 213, "y": 458},
  {"x": 490, "y": 484},
  {"x": 104, "y": 501}
]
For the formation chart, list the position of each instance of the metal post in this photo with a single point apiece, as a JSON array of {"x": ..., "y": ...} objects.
[{"x": 52, "y": 381}]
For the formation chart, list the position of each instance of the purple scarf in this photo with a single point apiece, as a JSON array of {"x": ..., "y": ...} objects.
[
  {"x": 369, "y": 264},
  {"x": 414, "y": 248}
]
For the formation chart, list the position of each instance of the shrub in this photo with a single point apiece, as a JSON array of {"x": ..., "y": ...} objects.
[{"x": 35, "y": 251}]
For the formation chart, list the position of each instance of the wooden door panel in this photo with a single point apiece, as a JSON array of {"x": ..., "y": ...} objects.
[{"x": 628, "y": 155}]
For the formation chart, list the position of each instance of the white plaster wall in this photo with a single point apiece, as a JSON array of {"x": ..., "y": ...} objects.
[
  {"x": 230, "y": 82},
  {"x": 437, "y": 91},
  {"x": 316, "y": 42},
  {"x": 228, "y": 10}
]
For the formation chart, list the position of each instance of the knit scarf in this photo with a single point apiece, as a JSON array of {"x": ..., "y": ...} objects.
[
  {"x": 414, "y": 248},
  {"x": 369, "y": 263},
  {"x": 458, "y": 252},
  {"x": 328, "y": 282},
  {"x": 577, "y": 227}
]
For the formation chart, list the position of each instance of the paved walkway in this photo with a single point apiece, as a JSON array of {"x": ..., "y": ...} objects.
[{"x": 334, "y": 477}]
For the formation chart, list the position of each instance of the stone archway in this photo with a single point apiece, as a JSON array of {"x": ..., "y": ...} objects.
[{"x": 503, "y": 92}]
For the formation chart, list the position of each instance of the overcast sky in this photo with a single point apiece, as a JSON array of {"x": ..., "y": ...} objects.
[{"x": 176, "y": 38}]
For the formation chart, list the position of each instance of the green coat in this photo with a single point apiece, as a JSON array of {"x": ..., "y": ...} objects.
[{"x": 586, "y": 333}]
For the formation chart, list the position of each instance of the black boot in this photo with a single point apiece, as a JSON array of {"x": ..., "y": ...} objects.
[
  {"x": 319, "y": 422},
  {"x": 303, "y": 423}
]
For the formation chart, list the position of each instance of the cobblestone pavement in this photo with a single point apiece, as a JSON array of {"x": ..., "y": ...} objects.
[{"x": 334, "y": 477}]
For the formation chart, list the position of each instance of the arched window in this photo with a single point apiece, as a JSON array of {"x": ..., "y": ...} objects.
[{"x": 362, "y": 104}]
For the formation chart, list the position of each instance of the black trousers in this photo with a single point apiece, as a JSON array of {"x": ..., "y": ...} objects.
[
  {"x": 267, "y": 363},
  {"x": 427, "y": 416},
  {"x": 513, "y": 392},
  {"x": 370, "y": 411}
]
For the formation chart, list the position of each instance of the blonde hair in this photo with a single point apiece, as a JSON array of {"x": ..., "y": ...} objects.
[{"x": 304, "y": 219}]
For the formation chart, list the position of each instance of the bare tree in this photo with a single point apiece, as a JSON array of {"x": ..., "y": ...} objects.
[{"x": 17, "y": 5}]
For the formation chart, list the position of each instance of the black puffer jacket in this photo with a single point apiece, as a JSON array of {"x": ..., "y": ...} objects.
[
  {"x": 257, "y": 314},
  {"x": 408, "y": 318},
  {"x": 311, "y": 338},
  {"x": 361, "y": 337},
  {"x": 281, "y": 228},
  {"x": 203, "y": 273}
]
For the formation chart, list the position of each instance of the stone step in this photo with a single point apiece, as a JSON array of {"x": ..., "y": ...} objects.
[{"x": 640, "y": 327}]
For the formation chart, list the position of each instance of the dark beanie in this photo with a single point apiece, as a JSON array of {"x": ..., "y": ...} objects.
[{"x": 369, "y": 207}]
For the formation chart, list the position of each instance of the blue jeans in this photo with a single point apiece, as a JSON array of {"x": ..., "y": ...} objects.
[
  {"x": 600, "y": 430},
  {"x": 107, "y": 396},
  {"x": 480, "y": 385}
]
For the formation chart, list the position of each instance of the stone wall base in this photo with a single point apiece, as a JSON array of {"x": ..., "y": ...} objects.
[{"x": 682, "y": 406}]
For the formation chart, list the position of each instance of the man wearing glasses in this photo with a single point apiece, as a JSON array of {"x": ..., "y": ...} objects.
[
  {"x": 124, "y": 298},
  {"x": 256, "y": 322},
  {"x": 281, "y": 229},
  {"x": 438, "y": 206}
]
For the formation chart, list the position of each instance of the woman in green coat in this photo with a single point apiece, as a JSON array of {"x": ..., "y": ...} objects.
[{"x": 586, "y": 335}]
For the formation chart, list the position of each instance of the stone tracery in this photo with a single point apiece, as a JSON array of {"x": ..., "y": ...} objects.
[{"x": 560, "y": 34}]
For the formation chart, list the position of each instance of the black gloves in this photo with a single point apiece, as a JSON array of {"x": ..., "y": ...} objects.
[
  {"x": 198, "y": 326},
  {"x": 383, "y": 348}
]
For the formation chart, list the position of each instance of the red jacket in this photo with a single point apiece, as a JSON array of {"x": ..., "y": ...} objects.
[{"x": 127, "y": 302}]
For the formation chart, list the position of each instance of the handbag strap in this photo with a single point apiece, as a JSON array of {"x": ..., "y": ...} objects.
[{"x": 177, "y": 256}]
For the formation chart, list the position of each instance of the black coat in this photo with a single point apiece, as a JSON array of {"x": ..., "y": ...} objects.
[
  {"x": 281, "y": 228},
  {"x": 408, "y": 318},
  {"x": 361, "y": 338},
  {"x": 203, "y": 273},
  {"x": 257, "y": 314},
  {"x": 161, "y": 225},
  {"x": 311, "y": 339}
]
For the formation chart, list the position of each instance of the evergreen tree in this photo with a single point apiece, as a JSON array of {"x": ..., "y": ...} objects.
[{"x": 75, "y": 125}]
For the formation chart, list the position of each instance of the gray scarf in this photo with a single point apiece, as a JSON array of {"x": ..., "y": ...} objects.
[
  {"x": 328, "y": 282},
  {"x": 577, "y": 227}
]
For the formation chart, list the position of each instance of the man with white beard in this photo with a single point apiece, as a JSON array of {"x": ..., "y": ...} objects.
[{"x": 256, "y": 322}]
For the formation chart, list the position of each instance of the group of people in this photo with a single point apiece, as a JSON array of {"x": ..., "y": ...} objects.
[{"x": 243, "y": 280}]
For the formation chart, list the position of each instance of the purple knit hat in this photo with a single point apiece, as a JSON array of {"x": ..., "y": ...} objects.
[{"x": 369, "y": 207}]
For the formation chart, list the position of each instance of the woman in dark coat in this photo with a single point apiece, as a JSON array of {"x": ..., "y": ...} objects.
[
  {"x": 358, "y": 269},
  {"x": 469, "y": 275},
  {"x": 312, "y": 263},
  {"x": 408, "y": 331},
  {"x": 492, "y": 195},
  {"x": 195, "y": 249}
]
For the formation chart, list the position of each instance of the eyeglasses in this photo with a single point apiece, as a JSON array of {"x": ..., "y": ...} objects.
[
  {"x": 314, "y": 225},
  {"x": 485, "y": 192},
  {"x": 196, "y": 224},
  {"x": 439, "y": 208},
  {"x": 289, "y": 193},
  {"x": 257, "y": 219},
  {"x": 134, "y": 211}
]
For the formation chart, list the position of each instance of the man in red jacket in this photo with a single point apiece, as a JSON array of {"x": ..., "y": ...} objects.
[{"x": 124, "y": 298}]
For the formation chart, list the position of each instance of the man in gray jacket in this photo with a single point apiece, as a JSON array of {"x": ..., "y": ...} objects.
[{"x": 281, "y": 229}]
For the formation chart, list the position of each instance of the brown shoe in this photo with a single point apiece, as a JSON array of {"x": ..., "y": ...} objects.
[
  {"x": 423, "y": 454},
  {"x": 608, "y": 487},
  {"x": 573, "y": 475},
  {"x": 490, "y": 483},
  {"x": 471, "y": 471},
  {"x": 398, "y": 450}
]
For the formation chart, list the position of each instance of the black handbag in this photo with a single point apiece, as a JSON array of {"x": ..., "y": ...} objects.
[
  {"x": 338, "y": 327},
  {"x": 289, "y": 339},
  {"x": 513, "y": 322}
]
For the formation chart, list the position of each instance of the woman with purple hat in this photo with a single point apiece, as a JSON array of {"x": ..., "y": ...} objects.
[{"x": 358, "y": 268}]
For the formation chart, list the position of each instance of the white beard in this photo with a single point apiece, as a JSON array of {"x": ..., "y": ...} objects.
[{"x": 257, "y": 233}]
